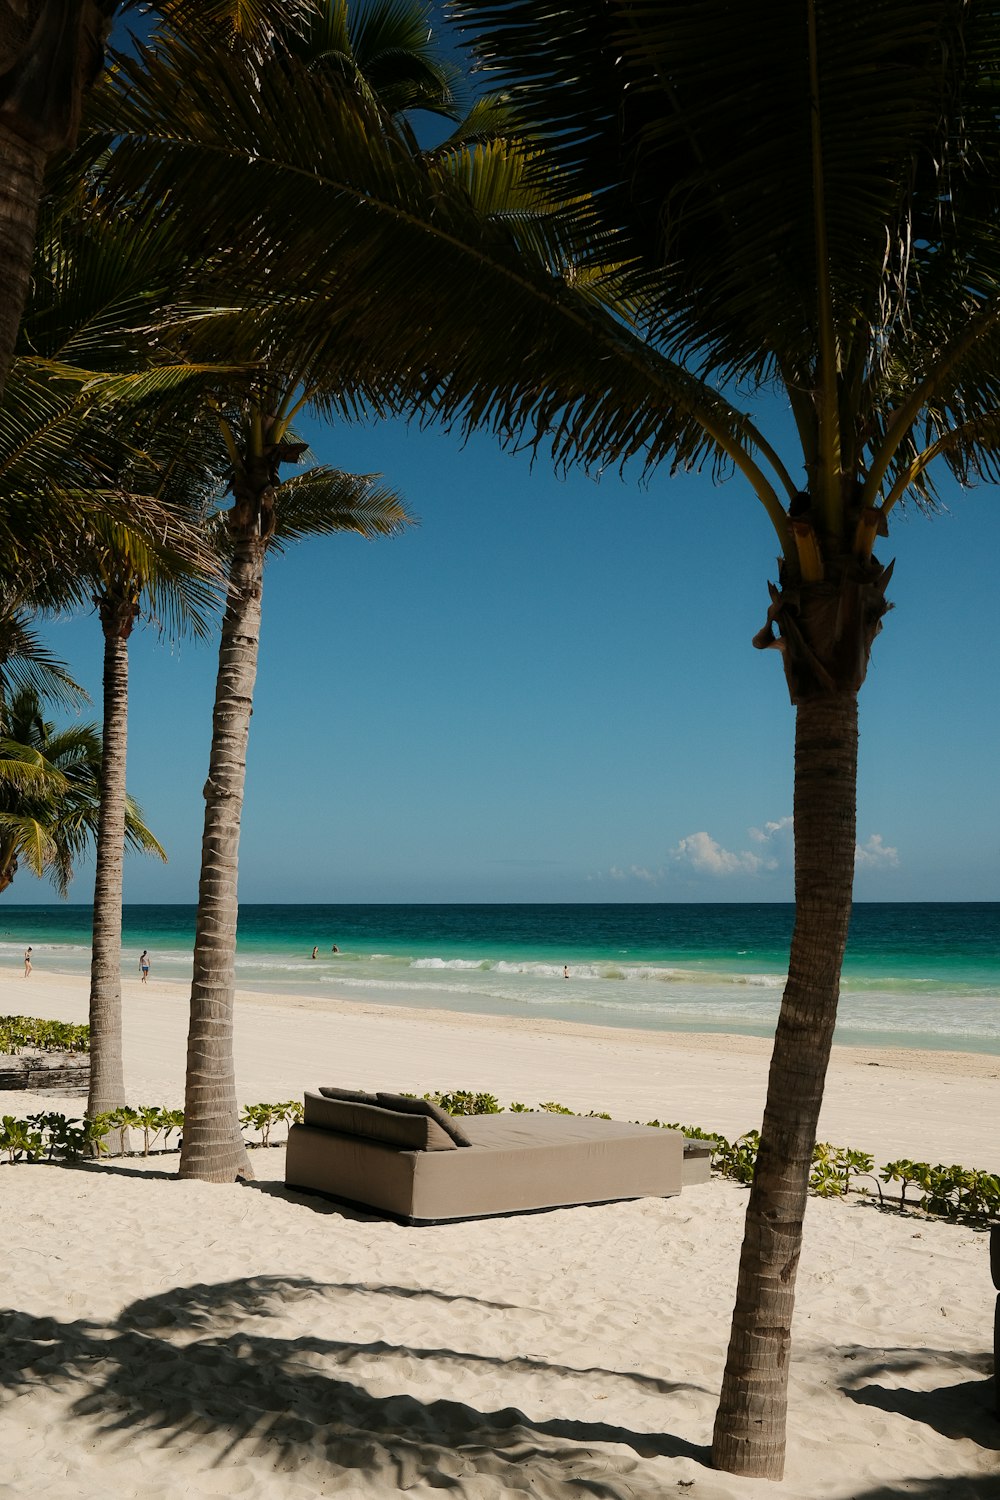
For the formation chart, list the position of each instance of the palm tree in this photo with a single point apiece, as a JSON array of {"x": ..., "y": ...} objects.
[
  {"x": 29, "y": 673},
  {"x": 379, "y": 60},
  {"x": 101, "y": 289},
  {"x": 50, "y": 795},
  {"x": 129, "y": 578},
  {"x": 296, "y": 366},
  {"x": 806, "y": 199}
]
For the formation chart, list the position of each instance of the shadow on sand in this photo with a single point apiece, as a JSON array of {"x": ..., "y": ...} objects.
[
  {"x": 196, "y": 1363},
  {"x": 966, "y": 1409},
  {"x": 945, "y": 1487}
]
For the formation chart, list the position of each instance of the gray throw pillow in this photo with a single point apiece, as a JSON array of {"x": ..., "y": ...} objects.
[
  {"x": 403, "y": 1129},
  {"x": 405, "y": 1105}
]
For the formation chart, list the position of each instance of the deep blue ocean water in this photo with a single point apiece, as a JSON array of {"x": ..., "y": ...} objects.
[{"x": 916, "y": 974}]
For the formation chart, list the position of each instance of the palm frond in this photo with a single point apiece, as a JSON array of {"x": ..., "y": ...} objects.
[
  {"x": 50, "y": 793},
  {"x": 29, "y": 841},
  {"x": 252, "y": 25},
  {"x": 385, "y": 50},
  {"x": 377, "y": 236},
  {"x": 138, "y": 837},
  {"x": 324, "y": 500},
  {"x": 707, "y": 148},
  {"x": 26, "y": 664},
  {"x": 27, "y": 770}
]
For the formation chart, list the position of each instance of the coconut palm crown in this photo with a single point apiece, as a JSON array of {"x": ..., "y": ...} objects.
[{"x": 50, "y": 793}]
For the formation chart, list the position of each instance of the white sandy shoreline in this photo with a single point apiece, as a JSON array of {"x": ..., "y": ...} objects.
[{"x": 169, "y": 1340}]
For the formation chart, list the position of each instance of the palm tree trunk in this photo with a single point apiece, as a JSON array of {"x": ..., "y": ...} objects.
[
  {"x": 107, "y": 1070},
  {"x": 749, "y": 1433},
  {"x": 22, "y": 167},
  {"x": 213, "y": 1148}
]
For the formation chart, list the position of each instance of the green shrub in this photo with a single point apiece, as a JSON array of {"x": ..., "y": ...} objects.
[
  {"x": 263, "y": 1117},
  {"x": 464, "y": 1102},
  {"x": 18, "y": 1032},
  {"x": 66, "y": 1138},
  {"x": 738, "y": 1158},
  {"x": 953, "y": 1192},
  {"x": 18, "y": 1138}
]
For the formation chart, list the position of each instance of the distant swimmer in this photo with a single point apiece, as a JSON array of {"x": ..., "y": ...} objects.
[
  {"x": 565, "y": 972},
  {"x": 334, "y": 949},
  {"x": 27, "y": 962},
  {"x": 314, "y": 953},
  {"x": 144, "y": 964}
]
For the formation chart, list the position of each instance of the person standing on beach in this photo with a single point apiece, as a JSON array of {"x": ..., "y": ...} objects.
[
  {"x": 27, "y": 961},
  {"x": 314, "y": 953},
  {"x": 144, "y": 964}
]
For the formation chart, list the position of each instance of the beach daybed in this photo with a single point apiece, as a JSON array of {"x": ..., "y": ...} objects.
[{"x": 409, "y": 1160}]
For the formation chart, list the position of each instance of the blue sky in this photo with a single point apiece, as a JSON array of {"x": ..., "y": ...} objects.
[{"x": 547, "y": 692}]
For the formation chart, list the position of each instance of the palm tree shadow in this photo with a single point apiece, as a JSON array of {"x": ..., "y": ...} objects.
[
  {"x": 943, "y": 1487},
  {"x": 966, "y": 1409},
  {"x": 232, "y": 1387}
]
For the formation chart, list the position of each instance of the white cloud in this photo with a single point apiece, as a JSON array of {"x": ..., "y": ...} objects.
[
  {"x": 634, "y": 872},
  {"x": 875, "y": 854},
  {"x": 703, "y": 854},
  {"x": 762, "y": 835}
]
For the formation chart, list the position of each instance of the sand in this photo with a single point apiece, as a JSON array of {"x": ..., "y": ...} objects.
[{"x": 174, "y": 1339}]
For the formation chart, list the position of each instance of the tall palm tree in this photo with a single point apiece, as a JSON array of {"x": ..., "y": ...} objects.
[
  {"x": 130, "y": 578},
  {"x": 806, "y": 197},
  {"x": 295, "y": 367},
  {"x": 99, "y": 293},
  {"x": 378, "y": 59}
]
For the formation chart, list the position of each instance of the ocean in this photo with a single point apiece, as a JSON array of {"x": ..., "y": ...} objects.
[{"x": 916, "y": 974}]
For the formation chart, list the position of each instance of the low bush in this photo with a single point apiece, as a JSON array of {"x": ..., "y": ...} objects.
[
  {"x": 464, "y": 1102},
  {"x": 19, "y": 1032},
  {"x": 953, "y": 1192},
  {"x": 20, "y": 1140},
  {"x": 262, "y": 1117},
  {"x": 151, "y": 1119},
  {"x": 52, "y": 1136}
]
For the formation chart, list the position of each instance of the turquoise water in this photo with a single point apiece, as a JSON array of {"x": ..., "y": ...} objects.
[{"x": 916, "y": 975}]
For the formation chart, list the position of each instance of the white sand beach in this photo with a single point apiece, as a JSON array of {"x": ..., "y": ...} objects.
[{"x": 161, "y": 1338}]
